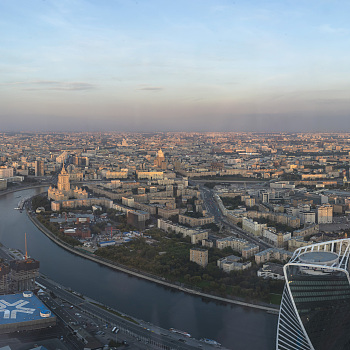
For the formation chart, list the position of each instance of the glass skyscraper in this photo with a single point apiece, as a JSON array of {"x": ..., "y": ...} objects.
[{"x": 315, "y": 307}]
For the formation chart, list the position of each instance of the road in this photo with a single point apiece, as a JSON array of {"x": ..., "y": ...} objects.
[
  {"x": 213, "y": 208},
  {"x": 141, "y": 331},
  {"x": 69, "y": 306}
]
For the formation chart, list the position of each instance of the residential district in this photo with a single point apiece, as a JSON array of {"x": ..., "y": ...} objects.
[{"x": 219, "y": 212}]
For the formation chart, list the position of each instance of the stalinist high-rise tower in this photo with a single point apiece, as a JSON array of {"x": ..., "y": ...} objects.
[
  {"x": 160, "y": 161},
  {"x": 63, "y": 181},
  {"x": 63, "y": 190}
]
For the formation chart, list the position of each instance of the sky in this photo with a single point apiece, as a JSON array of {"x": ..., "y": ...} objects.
[{"x": 184, "y": 65}]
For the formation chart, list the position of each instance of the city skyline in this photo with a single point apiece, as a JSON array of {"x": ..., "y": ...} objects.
[
  {"x": 186, "y": 66},
  {"x": 213, "y": 216}
]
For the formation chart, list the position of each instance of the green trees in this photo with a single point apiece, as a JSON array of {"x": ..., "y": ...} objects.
[
  {"x": 168, "y": 257},
  {"x": 54, "y": 228},
  {"x": 232, "y": 203},
  {"x": 41, "y": 201},
  {"x": 211, "y": 226}
]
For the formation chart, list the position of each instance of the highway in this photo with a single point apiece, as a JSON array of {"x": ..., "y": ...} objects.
[
  {"x": 142, "y": 332},
  {"x": 213, "y": 208}
]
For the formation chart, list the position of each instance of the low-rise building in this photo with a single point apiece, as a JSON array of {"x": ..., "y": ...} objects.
[
  {"x": 75, "y": 203},
  {"x": 184, "y": 219},
  {"x": 297, "y": 242},
  {"x": 3, "y": 184},
  {"x": 271, "y": 270},
  {"x": 235, "y": 243},
  {"x": 307, "y": 231},
  {"x": 166, "y": 213},
  {"x": 231, "y": 263},
  {"x": 108, "y": 174},
  {"x": 272, "y": 254},
  {"x": 150, "y": 175},
  {"x": 196, "y": 235},
  {"x": 249, "y": 250},
  {"x": 207, "y": 243}
]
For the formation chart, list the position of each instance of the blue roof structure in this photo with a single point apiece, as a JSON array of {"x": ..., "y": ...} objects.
[{"x": 15, "y": 308}]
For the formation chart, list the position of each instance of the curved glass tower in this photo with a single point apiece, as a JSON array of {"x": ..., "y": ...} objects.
[{"x": 315, "y": 307}]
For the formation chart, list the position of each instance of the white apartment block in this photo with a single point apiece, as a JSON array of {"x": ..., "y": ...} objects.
[
  {"x": 324, "y": 214},
  {"x": 230, "y": 263},
  {"x": 252, "y": 226},
  {"x": 5, "y": 172},
  {"x": 278, "y": 239},
  {"x": 196, "y": 235}
]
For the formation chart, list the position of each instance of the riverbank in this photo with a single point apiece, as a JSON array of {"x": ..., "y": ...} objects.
[
  {"x": 17, "y": 189},
  {"x": 143, "y": 275}
]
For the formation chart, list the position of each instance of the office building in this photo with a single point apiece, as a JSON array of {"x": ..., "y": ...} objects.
[{"x": 315, "y": 307}]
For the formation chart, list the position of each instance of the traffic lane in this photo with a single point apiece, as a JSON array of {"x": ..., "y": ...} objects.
[
  {"x": 213, "y": 208},
  {"x": 107, "y": 316},
  {"x": 66, "y": 318},
  {"x": 140, "y": 332}
]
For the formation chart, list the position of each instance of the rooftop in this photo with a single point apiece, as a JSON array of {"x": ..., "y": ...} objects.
[
  {"x": 17, "y": 308},
  {"x": 318, "y": 257}
]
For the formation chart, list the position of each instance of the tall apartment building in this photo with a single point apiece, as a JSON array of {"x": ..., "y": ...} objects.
[
  {"x": 62, "y": 157},
  {"x": 199, "y": 256},
  {"x": 81, "y": 161},
  {"x": 39, "y": 168},
  {"x": 137, "y": 218},
  {"x": 307, "y": 217},
  {"x": 324, "y": 214}
]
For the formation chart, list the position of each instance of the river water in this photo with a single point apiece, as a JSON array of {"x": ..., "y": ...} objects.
[{"x": 233, "y": 326}]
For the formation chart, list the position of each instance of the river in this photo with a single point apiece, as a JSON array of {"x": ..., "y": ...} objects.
[{"x": 233, "y": 326}]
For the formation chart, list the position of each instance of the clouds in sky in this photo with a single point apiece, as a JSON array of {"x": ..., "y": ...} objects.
[
  {"x": 146, "y": 65},
  {"x": 50, "y": 85}
]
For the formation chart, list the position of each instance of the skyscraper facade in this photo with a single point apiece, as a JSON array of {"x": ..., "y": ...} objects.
[{"x": 315, "y": 307}]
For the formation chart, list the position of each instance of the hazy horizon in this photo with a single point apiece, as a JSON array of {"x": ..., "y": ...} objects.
[{"x": 197, "y": 66}]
